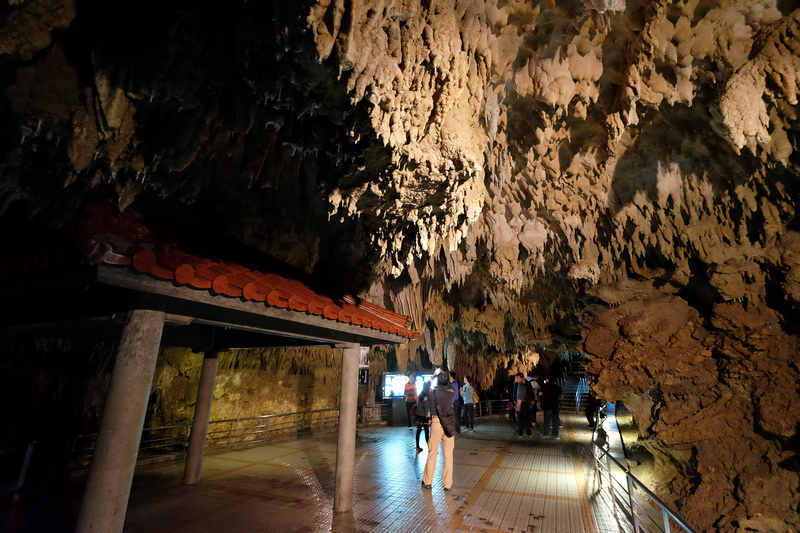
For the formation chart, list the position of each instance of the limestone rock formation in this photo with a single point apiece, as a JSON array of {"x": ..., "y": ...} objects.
[
  {"x": 514, "y": 175},
  {"x": 714, "y": 396}
]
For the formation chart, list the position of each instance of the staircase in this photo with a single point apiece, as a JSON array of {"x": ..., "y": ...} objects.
[{"x": 574, "y": 389}]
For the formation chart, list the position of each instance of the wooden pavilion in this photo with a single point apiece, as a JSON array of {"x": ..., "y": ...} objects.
[{"x": 120, "y": 282}]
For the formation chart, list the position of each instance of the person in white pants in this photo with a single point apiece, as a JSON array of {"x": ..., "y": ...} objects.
[{"x": 443, "y": 430}]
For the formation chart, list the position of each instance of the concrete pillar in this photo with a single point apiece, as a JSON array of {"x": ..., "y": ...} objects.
[
  {"x": 346, "y": 447},
  {"x": 202, "y": 414},
  {"x": 108, "y": 485}
]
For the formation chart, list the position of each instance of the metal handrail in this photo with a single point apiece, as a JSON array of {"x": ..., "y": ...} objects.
[
  {"x": 582, "y": 385},
  {"x": 626, "y": 495},
  {"x": 167, "y": 440},
  {"x": 491, "y": 407},
  {"x": 227, "y": 433},
  {"x": 239, "y": 431}
]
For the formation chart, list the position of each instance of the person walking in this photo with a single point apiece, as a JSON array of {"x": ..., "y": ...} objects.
[
  {"x": 411, "y": 397},
  {"x": 550, "y": 402},
  {"x": 467, "y": 392},
  {"x": 424, "y": 414},
  {"x": 443, "y": 431},
  {"x": 592, "y": 403},
  {"x": 456, "y": 401},
  {"x": 512, "y": 403},
  {"x": 523, "y": 407},
  {"x": 533, "y": 379}
]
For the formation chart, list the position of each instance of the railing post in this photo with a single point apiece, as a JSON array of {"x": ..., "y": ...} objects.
[
  {"x": 599, "y": 472},
  {"x": 23, "y": 471},
  {"x": 611, "y": 483},
  {"x": 665, "y": 518},
  {"x": 632, "y": 503},
  {"x": 597, "y": 467}
]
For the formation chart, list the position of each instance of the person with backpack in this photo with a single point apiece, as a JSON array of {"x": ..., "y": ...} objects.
[
  {"x": 423, "y": 416},
  {"x": 550, "y": 401},
  {"x": 443, "y": 430},
  {"x": 523, "y": 406}
]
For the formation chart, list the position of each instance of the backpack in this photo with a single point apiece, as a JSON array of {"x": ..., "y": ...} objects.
[
  {"x": 446, "y": 417},
  {"x": 475, "y": 397}
]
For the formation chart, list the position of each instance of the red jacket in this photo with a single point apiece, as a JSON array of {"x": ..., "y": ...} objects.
[{"x": 411, "y": 392}]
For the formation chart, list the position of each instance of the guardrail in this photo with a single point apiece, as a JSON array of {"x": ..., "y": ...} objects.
[
  {"x": 491, "y": 407},
  {"x": 638, "y": 505},
  {"x": 583, "y": 387},
  {"x": 259, "y": 429},
  {"x": 165, "y": 440},
  {"x": 41, "y": 457}
]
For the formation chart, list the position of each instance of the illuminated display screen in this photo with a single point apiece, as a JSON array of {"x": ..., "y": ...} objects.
[{"x": 394, "y": 385}]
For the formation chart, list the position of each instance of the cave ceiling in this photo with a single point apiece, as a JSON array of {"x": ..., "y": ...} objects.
[{"x": 486, "y": 164}]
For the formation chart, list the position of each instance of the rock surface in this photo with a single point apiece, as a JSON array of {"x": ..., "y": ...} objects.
[
  {"x": 516, "y": 176},
  {"x": 714, "y": 397}
]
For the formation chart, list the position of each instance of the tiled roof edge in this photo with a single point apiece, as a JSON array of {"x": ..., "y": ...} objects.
[{"x": 124, "y": 240}]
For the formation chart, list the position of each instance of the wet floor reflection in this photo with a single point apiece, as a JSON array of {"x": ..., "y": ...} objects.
[{"x": 501, "y": 483}]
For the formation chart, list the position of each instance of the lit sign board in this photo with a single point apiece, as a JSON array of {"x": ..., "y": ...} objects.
[{"x": 394, "y": 385}]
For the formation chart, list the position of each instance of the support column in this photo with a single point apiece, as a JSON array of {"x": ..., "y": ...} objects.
[
  {"x": 346, "y": 447},
  {"x": 202, "y": 414},
  {"x": 108, "y": 485}
]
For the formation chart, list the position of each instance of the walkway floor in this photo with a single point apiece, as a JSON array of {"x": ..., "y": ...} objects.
[{"x": 502, "y": 482}]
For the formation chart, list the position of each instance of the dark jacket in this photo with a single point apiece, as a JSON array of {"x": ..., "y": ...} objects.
[
  {"x": 592, "y": 403},
  {"x": 525, "y": 391},
  {"x": 424, "y": 409},
  {"x": 550, "y": 396},
  {"x": 442, "y": 399}
]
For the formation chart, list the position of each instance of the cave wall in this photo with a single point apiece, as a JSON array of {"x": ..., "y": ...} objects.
[
  {"x": 56, "y": 388},
  {"x": 254, "y": 382},
  {"x": 249, "y": 383},
  {"x": 715, "y": 394}
]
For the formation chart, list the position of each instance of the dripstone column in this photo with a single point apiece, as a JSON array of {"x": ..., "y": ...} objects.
[
  {"x": 108, "y": 485},
  {"x": 346, "y": 447},
  {"x": 202, "y": 414}
]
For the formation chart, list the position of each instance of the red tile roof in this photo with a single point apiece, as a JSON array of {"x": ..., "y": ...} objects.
[{"x": 124, "y": 240}]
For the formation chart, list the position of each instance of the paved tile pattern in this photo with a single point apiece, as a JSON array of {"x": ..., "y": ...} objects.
[{"x": 502, "y": 483}]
